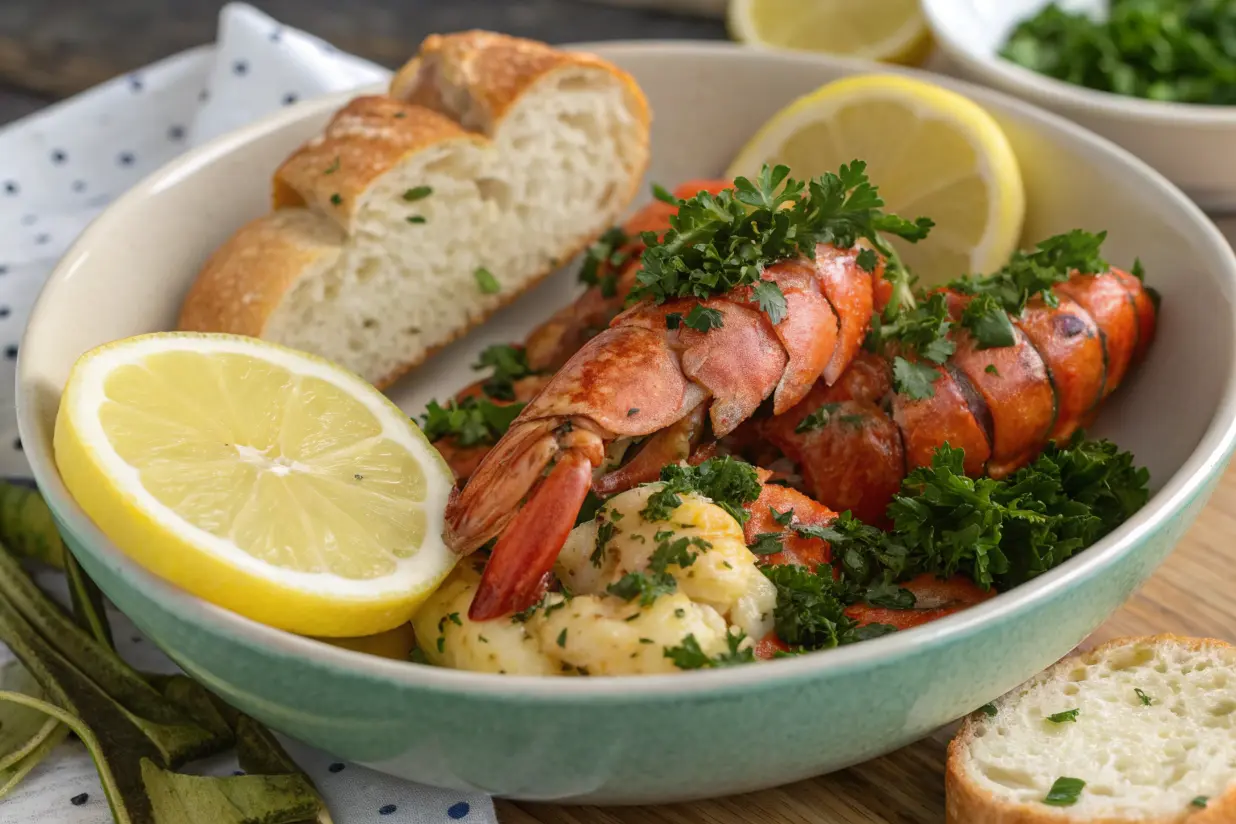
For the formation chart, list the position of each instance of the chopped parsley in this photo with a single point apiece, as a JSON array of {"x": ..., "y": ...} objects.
[
  {"x": 991, "y": 369},
  {"x": 509, "y": 364},
  {"x": 720, "y": 242},
  {"x": 867, "y": 260},
  {"x": 1171, "y": 50},
  {"x": 336, "y": 199},
  {"x": 817, "y": 419},
  {"x": 470, "y": 422},
  {"x": 703, "y": 319},
  {"x": 1143, "y": 697},
  {"x": 417, "y": 193},
  {"x": 766, "y": 543},
  {"x": 730, "y": 484},
  {"x": 1064, "y": 792},
  {"x": 415, "y": 219},
  {"x": 689, "y": 655},
  {"x": 562, "y": 636},
  {"x": 810, "y": 611},
  {"x": 647, "y": 587},
  {"x": 913, "y": 378},
  {"x": 1034, "y": 274},
  {"x": 989, "y": 710},
  {"x": 987, "y": 321},
  {"x": 605, "y": 531},
  {"x": 333, "y": 167},
  {"x": 782, "y": 518},
  {"x": 1063, "y": 717},
  {"x": 608, "y": 252},
  {"x": 1200, "y": 801},
  {"x": 486, "y": 282}
]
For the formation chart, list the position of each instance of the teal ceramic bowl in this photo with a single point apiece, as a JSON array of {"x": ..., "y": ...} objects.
[{"x": 698, "y": 734}]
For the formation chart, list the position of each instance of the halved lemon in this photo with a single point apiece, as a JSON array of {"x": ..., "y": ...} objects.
[
  {"x": 265, "y": 480},
  {"x": 931, "y": 152},
  {"x": 892, "y": 31}
]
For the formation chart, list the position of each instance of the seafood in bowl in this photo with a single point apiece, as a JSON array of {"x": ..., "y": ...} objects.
[
  {"x": 820, "y": 354},
  {"x": 721, "y": 729}
]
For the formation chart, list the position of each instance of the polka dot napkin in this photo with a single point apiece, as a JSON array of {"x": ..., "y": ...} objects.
[{"x": 58, "y": 169}]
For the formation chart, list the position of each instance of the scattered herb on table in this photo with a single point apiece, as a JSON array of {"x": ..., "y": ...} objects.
[{"x": 1181, "y": 51}]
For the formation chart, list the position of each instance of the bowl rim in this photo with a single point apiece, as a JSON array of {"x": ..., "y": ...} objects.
[
  {"x": 1051, "y": 91},
  {"x": 1190, "y": 480}
]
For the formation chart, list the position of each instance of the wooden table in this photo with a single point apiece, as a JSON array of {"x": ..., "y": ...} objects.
[{"x": 50, "y": 48}]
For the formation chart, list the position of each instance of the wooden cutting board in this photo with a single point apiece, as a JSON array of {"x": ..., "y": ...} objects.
[{"x": 1193, "y": 593}]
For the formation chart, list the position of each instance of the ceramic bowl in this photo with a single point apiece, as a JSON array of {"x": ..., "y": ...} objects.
[
  {"x": 706, "y": 733},
  {"x": 1191, "y": 144}
]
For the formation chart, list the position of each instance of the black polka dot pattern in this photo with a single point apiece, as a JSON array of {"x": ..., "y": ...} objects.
[
  {"x": 459, "y": 810},
  {"x": 176, "y": 132},
  {"x": 11, "y": 187},
  {"x": 58, "y": 156},
  {"x": 240, "y": 68}
]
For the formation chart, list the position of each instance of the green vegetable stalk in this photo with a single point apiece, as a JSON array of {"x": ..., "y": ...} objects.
[{"x": 137, "y": 728}]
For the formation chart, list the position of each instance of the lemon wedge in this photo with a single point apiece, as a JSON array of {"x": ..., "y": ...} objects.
[
  {"x": 265, "y": 480},
  {"x": 931, "y": 152},
  {"x": 893, "y": 31}
]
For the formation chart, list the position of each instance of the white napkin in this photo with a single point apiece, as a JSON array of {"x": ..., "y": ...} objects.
[{"x": 58, "y": 169}]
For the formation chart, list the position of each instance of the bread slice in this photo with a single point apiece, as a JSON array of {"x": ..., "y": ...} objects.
[
  {"x": 1154, "y": 738},
  {"x": 417, "y": 214}
]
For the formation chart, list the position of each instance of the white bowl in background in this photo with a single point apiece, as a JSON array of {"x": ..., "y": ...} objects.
[{"x": 1192, "y": 145}]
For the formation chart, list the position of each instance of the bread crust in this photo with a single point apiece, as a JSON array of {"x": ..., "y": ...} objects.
[
  {"x": 459, "y": 87},
  {"x": 967, "y": 803},
  {"x": 243, "y": 281}
]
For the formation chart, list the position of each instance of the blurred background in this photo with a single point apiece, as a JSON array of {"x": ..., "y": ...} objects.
[{"x": 50, "y": 49}]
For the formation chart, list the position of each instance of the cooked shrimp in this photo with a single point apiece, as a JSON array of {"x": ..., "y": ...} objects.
[{"x": 639, "y": 588}]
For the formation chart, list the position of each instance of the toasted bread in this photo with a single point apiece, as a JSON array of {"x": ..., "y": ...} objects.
[
  {"x": 1153, "y": 738},
  {"x": 418, "y": 213}
]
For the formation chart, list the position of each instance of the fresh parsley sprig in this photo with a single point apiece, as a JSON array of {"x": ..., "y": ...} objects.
[
  {"x": 730, "y": 483},
  {"x": 721, "y": 242},
  {"x": 689, "y": 656},
  {"x": 470, "y": 422},
  {"x": 509, "y": 364},
  {"x": 603, "y": 258}
]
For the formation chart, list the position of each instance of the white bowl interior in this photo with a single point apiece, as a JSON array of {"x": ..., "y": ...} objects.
[
  {"x": 130, "y": 270},
  {"x": 980, "y": 27}
]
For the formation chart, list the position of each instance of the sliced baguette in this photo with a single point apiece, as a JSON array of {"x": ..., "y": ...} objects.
[
  {"x": 1141, "y": 763},
  {"x": 530, "y": 153}
]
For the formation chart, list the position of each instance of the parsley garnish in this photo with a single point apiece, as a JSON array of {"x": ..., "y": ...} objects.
[
  {"x": 417, "y": 193},
  {"x": 415, "y": 219},
  {"x": 720, "y": 242},
  {"x": 486, "y": 281},
  {"x": 766, "y": 543},
  {"x": 333, "y": 167},
  {"x": 1200, "y": 801},
  {"x": 336, "y": 199},
  {"x": 867, "y": 260},
  {"x": 991, "y": 369},
  {"x": 676, "y": 552},
  {"x": 647, "y": 587},
  {"x": 988, "y": 323},
  {"x": 917, "y": 380},
  {"x": 1145, "y": 699},
  {"x": 703, "y": 319},
  {"x": 810, "y": 611},
  {"x": 1063, "y": 717},
  {"x": 817, "y": 419},
  {"x": 690, "y": 656},
  {"x": 509, "y": 364},
  {"x": 1065, "y": 792},
  {"x": 562, "y": 636},
  {"x": 663, "y": 194},
  {"x": 728, "y": 483},
  {"x": 770, "y": 299},
  {"x": 782, "y": 518},
  {"x": 605, "y": 531},
  {"x": 607, "y": 251},
  {"x": 989, "y": 710},
  {"x": 471, "y": 421},
  {"x": 1033, "y": 274}
]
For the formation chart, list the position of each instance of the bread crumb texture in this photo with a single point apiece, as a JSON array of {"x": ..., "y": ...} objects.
[{"x": 1153, "y": 732}]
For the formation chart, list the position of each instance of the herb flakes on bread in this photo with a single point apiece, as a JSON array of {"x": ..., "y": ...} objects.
[
  {"x": 418, "y": 213},
  {"x": 1136, "y": 730}
]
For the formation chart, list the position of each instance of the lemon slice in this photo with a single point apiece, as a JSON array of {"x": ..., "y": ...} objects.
[
  {"x": 893, "y": 31},
  {"x": 931, "y": 152},
  {"x": 258, "y": 478}
]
